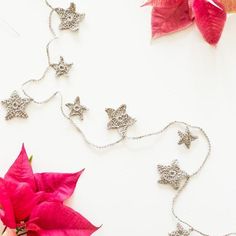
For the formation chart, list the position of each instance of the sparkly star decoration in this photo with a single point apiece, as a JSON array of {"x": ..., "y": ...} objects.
[
  {"x": 76, "y": 109},
  {"x": 180, "y": 231},
  {"x": 70, "y": 19},
  {"x": 171, "y": 174},
  {"x": 186, "y": 138},
  {"x": 16, "y": 106},
  {"x": 119, "y": 119},
  {"x": 61, "y": 68}
]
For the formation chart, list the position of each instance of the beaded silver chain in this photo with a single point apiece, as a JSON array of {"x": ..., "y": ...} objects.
[{"x": 118, "y": 118}]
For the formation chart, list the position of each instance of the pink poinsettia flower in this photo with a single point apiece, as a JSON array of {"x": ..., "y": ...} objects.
[
  {"x": 210, "y": 17},
  {"x": 30, "y": 203},
  {"x": 170, "y": 16},
  {"x": 163, "y": 3},
  {"x": 167, "y": 20},
  {"x": 68, "y": 222}
]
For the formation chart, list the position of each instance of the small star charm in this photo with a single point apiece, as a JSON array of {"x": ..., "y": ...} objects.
[
  {"x": 171, "y": 174},
  {"x": 61, "y": 68},
  {"x": 76, "y": 109},
  {"x": 119, "y": 119},
  {"x": 180, "y": 231},
  {"x": 186, "y": 138},
  {"x": 70, "y": 19},
  {"x": 15, "y": 106}
]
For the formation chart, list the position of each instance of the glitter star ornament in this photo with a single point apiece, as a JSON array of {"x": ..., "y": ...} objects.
[
  {"x": 186, "y": 138},
  {"x": 16, "y": 106},
  {"x": 61, "y": 68},
  {"x": 171, "y": 174},
  {"x": 70, "y": 19},
  {"x": 76, "y": 109},
  {"x": 119, "y": 119},
  {"x": 180, "y": 231}
]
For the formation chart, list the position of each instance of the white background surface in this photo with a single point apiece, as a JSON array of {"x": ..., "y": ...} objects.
[{"x": 178, "y": 77}]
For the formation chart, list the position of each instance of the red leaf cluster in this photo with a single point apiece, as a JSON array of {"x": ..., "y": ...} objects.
[
  {"x": 169, "y": 16},
  {"x": 33, "y": 204}
]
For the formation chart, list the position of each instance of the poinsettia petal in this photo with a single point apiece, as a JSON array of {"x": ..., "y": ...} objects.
[
  {"x": 61, "y": 186},
  {"x": 23, "y": 199},
  {"x": 172, "y": 19},
  {"x": 6, "y": 209},
  {"x": 163, "y": 3},
  {"x": 21, "y": 170},
  {"x": 230, "y": 5},
  {"x": 210, "y": 17},
  {"x": 55, "y": 219},
  {"x": 58, "y": 232}
]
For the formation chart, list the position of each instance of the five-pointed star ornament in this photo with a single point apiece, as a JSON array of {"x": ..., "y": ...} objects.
[
  {"x": 180, "y": 231},
  {"x": 171, "y": 174},
  {"x": 61, "y": 68},
  {"x": 186, "y": 138},
  {"x": 16, "y": 106},
  {"x": 119, "y": 119},
  {"x": 76, "y": 109},
  {"x": 70, "y": 19}
]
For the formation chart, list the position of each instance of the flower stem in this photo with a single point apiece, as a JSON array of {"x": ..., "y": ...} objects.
[{"x": 4, "y": 230}]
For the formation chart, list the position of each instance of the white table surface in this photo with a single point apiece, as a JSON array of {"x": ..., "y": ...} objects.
[{"x": 179, "y": 77}]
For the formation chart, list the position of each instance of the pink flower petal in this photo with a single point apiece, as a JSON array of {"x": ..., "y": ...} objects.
[
  {"x": 6, "y": 209},
  {"x": 22, "y": 198},
  {"x": 169, "y": 20},
  {"x": 21, "y": 170},
  {"x": 55, "y": 219},
  {"x": 210, "y": 18},
  {"x": 163, "y": 3},
  {"x": 61, "y": 186}
]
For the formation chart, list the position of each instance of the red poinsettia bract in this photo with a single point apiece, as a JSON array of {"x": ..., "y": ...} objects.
[
  {"x": 32, "y": 204},
  {"x": 169, "y": 16}
]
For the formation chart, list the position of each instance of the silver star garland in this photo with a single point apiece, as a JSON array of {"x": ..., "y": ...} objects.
[
  {"x": 186, "y": 138},
  {"x": 180, "y": 231},
  {"x": 119, "y": 119},
  {"x": 171, "y": 174},
  {"x": 16, "y": 106},
  {"x": 61, "y": 68},
  {"x": 70, "y": 19},
  {"x": 76, "y": 109}
]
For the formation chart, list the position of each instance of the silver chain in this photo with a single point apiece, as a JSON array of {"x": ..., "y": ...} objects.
[
  {"x": 50, "y": 23},
  {"x": 122, "y": 138},
  {"x": 48, "y": 4},
  {"x": 48, "y": 50},
  {"x": 37, "y": 81},
  {"x": 187, "y": 181}
]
